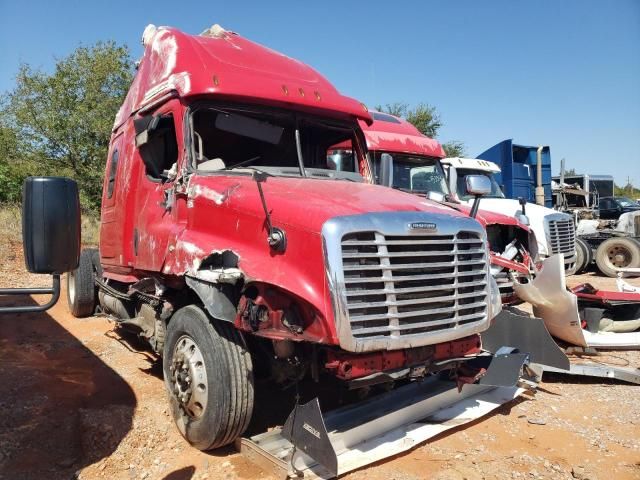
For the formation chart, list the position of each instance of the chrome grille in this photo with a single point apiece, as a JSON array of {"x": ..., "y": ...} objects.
[
  {"x": 404, "y": 285},
  {"x": 562, "y": 236}
]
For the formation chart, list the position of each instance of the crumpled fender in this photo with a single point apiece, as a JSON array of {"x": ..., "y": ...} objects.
[
  {"x": 553, "y": 302},
  {"x": 558, "y": 307}
]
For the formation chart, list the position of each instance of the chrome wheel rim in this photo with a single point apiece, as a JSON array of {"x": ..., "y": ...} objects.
[
  {"x": 188, "y": 378},
  {"x": 71, "y": 286}
]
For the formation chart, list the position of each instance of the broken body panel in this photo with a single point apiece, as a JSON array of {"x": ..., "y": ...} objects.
[{"x": 583, "y": 316}]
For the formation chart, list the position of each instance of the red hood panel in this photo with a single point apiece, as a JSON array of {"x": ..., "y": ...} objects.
[
  {"x": 305, "y": 202},
  {"x": 485, "y": 217}
]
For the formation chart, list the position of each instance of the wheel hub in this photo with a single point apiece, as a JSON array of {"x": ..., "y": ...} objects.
[
  {"x": 619, "y": 257},
  {"x": 188, "y": 377}
]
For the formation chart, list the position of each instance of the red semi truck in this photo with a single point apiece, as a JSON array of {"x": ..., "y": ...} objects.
[{"x": 235, "y": 250}]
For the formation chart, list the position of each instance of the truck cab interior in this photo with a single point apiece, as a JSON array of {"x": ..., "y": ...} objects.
[{"x": 277, "y": 142}]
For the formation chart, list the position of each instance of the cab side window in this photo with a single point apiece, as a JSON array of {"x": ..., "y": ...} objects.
[
  {"x": 113, "y": 169},
  {"x": 156, "y": 141}
]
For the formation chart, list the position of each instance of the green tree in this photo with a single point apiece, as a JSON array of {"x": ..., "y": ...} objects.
[
  {"x": 454, "y": 148},
  {"x": 569, "y": 172},
  {"x": 427, "y": 120},
  {"x": 61, "y": 122}
]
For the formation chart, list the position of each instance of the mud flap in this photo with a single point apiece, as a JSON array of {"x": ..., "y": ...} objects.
[
  {"x": 305, "y": 430},
  {"x": 504, "y": 370},
  {"x": 527, "y": 335}
]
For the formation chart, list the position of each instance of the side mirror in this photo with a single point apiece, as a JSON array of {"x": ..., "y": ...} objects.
[
  {"x": 50, "y": 224},
  {"x": 386, "y": 170},
  {"x": 523, "y": 203},
  {"x": 477, "y": 185},
  {"x": 50, "y": 236}
]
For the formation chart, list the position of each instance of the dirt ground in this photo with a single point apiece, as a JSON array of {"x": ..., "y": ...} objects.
[{"x": 80, "y": 399}]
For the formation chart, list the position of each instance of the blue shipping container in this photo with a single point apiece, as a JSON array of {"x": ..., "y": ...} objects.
[{"x": 518, "y": 165}]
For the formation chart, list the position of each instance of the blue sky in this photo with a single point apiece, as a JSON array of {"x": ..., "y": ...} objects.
[{"x": 553, "y": 72}]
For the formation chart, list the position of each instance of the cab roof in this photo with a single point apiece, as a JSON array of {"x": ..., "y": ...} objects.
[
  {"x": 472, "y": 163},
  {"x": 222, "y": 63},
  {"x": 389, "y": 133}
]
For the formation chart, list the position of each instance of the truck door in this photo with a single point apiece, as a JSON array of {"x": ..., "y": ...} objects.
[
  {"x": 112, "y": 196},
  {"x": 155, "y": 217}
]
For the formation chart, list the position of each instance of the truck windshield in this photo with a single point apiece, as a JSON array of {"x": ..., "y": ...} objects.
[
  {"x": 279, "y": 142},
  {"x": 416, "y": 174},
  {"x": 461, "y": 186},
  {"x": 626, "y": 202}
]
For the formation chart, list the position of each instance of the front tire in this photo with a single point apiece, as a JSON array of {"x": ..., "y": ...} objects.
[
  {"x": 617, "y": 252},
  {"x": 584, "y": 257},
  {"x": 81, "y": 285},
  {"x": 209, "y": 378}
]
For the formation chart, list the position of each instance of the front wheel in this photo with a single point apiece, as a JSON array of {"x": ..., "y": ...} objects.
[
  {"x": 209, "y": 378},
  {"x": 81, "y": 286},
  {"x": 617, "y": 252}
]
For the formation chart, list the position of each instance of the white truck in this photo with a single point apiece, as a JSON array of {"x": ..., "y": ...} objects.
[{"x": 554, "y": 231}]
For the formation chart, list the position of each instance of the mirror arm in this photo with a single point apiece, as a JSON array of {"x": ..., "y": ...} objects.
[
  {"x": 474, "y": 207},
  {"x": 54, "y": 291}
]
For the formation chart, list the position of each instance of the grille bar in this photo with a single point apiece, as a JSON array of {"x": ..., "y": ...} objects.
[
  {"x": 359, "y": 293},
  {"x": 399, "y": 278},
  {"x": 414, "y": 313},
  {"x": 356, "y": 267},
  {"x": 416, "y": 301},
  {"x": 409, "y": 254},
  {"x": 419, "y": 325}
]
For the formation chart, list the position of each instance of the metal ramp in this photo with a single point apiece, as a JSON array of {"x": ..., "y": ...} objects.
[{"x": 377, "y": 428}]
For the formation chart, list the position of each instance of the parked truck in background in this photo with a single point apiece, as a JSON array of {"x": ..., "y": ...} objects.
[
  {"x": 416, "y": 168},
  {"x": 555, "y": 231},
  {"x": 523, "y": 171},
  {"x": 607, "y": 227},
  {"x": 235, "y": 250}
]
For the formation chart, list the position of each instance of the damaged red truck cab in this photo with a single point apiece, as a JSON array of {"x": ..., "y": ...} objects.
[{"x": 234, "y": 249}]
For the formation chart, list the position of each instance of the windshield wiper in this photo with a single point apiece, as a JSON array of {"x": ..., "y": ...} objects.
[
  {"x": 303, "y": 173},
  {"x": 244, "y": 162}
]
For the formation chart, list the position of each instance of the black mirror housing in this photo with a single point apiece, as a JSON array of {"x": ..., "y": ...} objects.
[{"x": 50, "y": 224}]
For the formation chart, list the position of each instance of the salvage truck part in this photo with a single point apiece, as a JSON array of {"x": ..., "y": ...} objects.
[
  {"x": 386, "y": 425},
  {"x": 583, "y": 316},
  {"x": 50, "y": 235},
  {"x": 237, "y": 250}
]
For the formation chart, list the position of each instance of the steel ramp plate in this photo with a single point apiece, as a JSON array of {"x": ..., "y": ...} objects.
[
  {"x": 624, "y": 374},
  {"x": 381, "y": 427}
]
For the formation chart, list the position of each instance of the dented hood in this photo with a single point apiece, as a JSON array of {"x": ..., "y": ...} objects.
[
  {"x": 307, "y": 203},
  {"x": 487, "y": 217}
]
